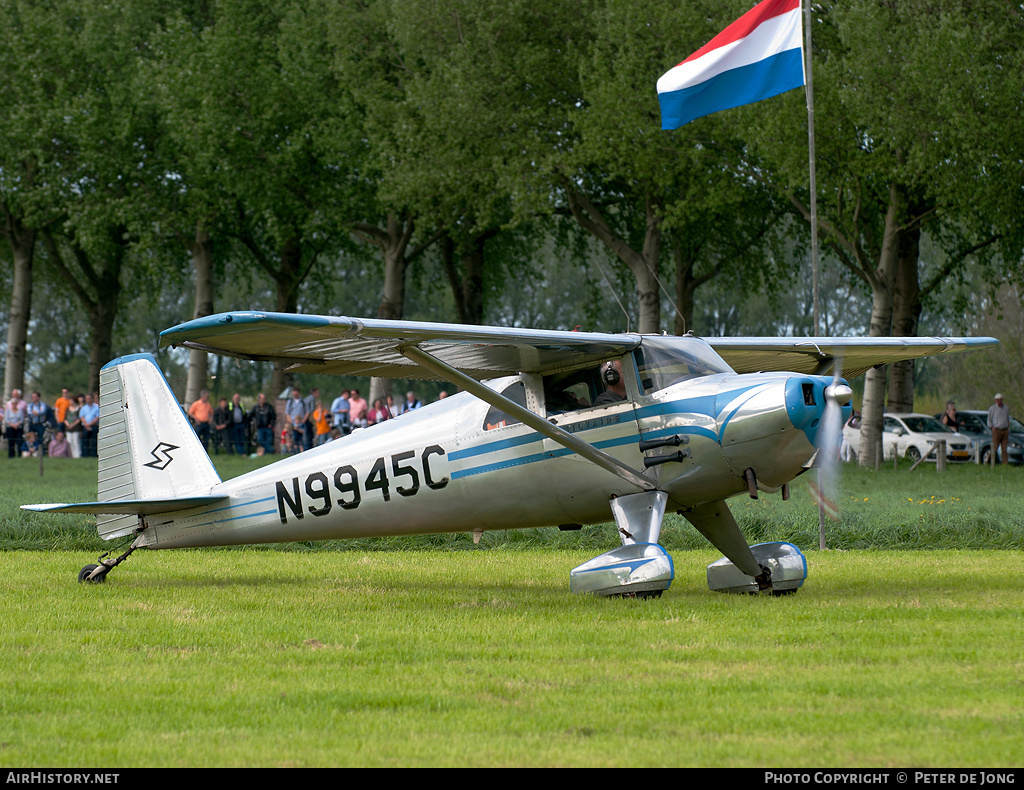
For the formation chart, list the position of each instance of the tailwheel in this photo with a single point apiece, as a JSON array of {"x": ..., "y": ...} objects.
[
  {"x": 86, "y": 574},
  {"x": 97, "y": 573}
]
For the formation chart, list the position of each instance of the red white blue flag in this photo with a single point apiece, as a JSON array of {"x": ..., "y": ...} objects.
[{"x": 757, "y": 56}]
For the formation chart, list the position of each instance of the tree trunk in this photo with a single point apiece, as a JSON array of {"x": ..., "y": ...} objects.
[
  {"x": 23, "y": 242},
  {"x": 644, "y": 264},
  {"x": 288, "y": 278},
  {"x": 473, "y": 279},
  {"x": 686, "y": 286},
  {"x": 882, "y": 286},
  {"x": 454, "y": 281},
  {"x": 98, "y": 289},
  {"x": 392, "y": 243},
  {"x": 467, "y": 279},
  {"x": 906, "y": 313},
  {"x": 101, "y": 319},
  {"x": 202, "y": 261}
]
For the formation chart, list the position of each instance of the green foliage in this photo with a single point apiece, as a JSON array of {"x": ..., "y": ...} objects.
[
  {"x": 276, "y": 127},
  {"x": 967, "y": 507}
]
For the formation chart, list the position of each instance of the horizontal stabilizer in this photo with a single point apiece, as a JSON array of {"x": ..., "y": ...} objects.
[{"x": 129, "y": 507}]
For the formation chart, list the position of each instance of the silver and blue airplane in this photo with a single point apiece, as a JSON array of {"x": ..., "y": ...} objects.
[{"x": 552, "y": 428}]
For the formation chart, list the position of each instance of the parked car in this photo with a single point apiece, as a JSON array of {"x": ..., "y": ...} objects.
[
  {"x": 911, "y": 436},
  {"x": 974, "y": 425}
]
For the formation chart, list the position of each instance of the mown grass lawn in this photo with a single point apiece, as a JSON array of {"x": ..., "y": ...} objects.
[{"x": 433, "y": 652}]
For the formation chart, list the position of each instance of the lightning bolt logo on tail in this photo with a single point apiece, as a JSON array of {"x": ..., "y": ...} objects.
[{"x": 161, "y": 462}]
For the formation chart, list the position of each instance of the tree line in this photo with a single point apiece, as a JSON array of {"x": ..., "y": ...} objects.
[{"x": 172, "y": 145}]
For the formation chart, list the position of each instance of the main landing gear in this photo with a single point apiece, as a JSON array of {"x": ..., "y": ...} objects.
[
  {"x": 96, "y": 574},
  {"x": 640, "y": 568}
]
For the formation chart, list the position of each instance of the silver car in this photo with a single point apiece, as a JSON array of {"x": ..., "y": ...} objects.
[{"x": 974, "y": 425}]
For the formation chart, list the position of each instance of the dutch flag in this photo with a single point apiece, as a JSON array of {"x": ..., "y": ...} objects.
[{"x": 757, "y": 56}]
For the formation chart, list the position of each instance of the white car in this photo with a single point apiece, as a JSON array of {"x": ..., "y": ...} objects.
[{"x": 911, "y": 436}]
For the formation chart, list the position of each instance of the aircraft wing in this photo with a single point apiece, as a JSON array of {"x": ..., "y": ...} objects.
[
  {"x": 372, "y": 347},
  {"x": 854, "y": 355}
]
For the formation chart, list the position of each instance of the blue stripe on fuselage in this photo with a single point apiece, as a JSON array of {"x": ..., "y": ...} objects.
[{"x": 708, "y": 406}]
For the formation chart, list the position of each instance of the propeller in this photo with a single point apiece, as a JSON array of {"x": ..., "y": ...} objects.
[{"x": 837, "y": 395}]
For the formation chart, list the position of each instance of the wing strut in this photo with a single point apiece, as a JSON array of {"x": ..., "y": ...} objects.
[{"x": 539, "y": 424}]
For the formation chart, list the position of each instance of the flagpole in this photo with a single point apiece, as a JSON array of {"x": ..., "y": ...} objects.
[{"x": 809, "y": 82}]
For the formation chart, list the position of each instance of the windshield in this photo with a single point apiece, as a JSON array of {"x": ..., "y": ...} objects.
[
  {"x": 664, "y": 361},
  {"x": 978, "y": 423},
  {"x": 925, "y": 425},
  {"x": 972, "y": 423}
]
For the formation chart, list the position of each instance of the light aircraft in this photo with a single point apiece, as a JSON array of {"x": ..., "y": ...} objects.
[{"x": 553, "y": 428}]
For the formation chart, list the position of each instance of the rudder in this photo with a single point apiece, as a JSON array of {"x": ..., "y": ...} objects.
[{"x": 146, "y": 446}]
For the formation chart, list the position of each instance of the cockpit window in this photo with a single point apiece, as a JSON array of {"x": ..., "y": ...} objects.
[
  {"x": 664, "y": 361},
  {"x": 571, "y": 391},
  {"x": 496, "y": 418}
]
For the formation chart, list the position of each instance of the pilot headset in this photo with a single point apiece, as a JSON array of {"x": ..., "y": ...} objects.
[{"x": 610, "y": 374}]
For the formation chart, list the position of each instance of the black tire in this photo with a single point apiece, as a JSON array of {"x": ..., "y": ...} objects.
[
  {"x": 986, "y": 456},
  {"x": 82, "y": 574},
  {"x": 913, "y": 454}
]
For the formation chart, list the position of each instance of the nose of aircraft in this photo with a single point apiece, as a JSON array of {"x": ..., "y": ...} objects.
[{"x": 807, "y": 398}]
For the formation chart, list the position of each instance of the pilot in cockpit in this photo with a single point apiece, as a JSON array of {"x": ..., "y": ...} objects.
[{"x": 614, "y": 384}]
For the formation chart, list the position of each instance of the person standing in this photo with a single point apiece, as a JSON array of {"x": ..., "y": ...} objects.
[
  {"x": 264, "y": 417},
  {"x": 60, "y": 408},
  {"x": 221, "y": 437},
  {"x": 14, "y": 420},
  {"x": 950, "y": 418},
  {"x": 308, "y": 433},
  {"x": 238, "y": 426},
  {"x": 201, "y": 412},
  {"x": 295, "y": 411},
  {"x": 36, "y": 415},
  {"x": 357, "y": 410},
  {"x": 411, "y": 402},
  {"x": 378, "y": 413},
  {"x": 90, "y": 416},
  {"x": 73, "y": 425},
  {"x": 999, "y": 424},
  {"x": 339, "y": 412},
  {"x": 321, "y": 423}
]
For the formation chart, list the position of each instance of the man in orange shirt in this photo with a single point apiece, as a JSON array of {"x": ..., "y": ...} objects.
[
  {"x": 201, "y": 413},
  {"x": 322, "y": 422},
  {"x": 61, "y": 406}
]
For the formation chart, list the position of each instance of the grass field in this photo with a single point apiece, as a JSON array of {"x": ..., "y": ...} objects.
[{"x": 902, "y": 649}]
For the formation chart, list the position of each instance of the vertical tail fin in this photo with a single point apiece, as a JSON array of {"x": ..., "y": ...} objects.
[{"x": 146, "y": 446}]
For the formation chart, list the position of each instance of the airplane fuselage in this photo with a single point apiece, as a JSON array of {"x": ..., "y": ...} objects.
[{"x": 446, "y": 468}]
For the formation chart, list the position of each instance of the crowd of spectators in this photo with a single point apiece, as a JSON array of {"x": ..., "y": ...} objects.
[
  {"x": 70, "y": 426},
  {"x": 309, "y": 422},
  {"x": 67, "y": 429}
]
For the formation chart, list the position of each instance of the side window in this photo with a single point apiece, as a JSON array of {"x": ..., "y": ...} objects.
[
  {"x": 571, "y": 391},
  {"x": 890, "y": 425},
  {"x": 971, "y": 423},
  {"x": 495, "y": 417}
]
